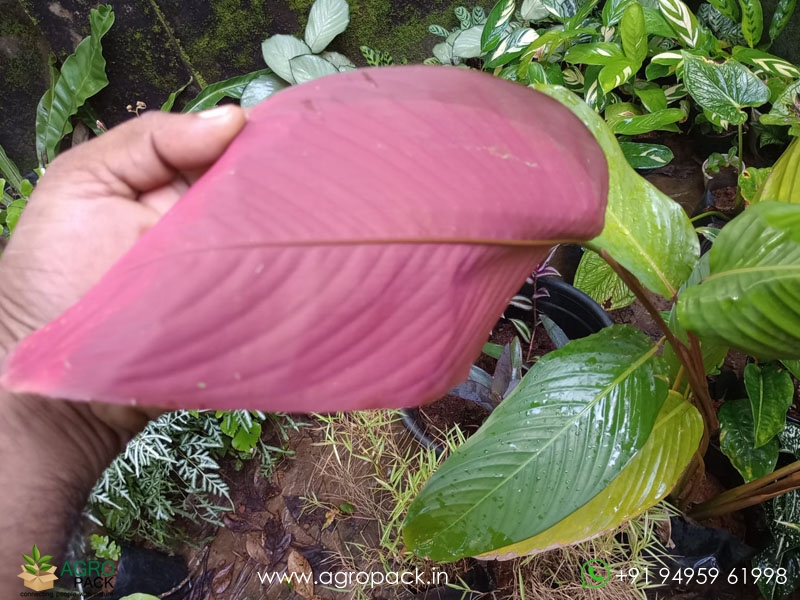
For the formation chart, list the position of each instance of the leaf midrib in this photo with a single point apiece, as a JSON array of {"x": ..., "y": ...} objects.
[{"x": 616, "y": 381}]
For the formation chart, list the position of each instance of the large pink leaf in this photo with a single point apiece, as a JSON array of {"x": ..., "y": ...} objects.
[{"x": 351, "y": 249}]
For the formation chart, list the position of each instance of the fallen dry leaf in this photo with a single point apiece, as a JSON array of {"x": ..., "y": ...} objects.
[
  {"x": 298, "y": 564},
  {"x": 255, "y": 543},
  {"x": 222, "y": 578}
]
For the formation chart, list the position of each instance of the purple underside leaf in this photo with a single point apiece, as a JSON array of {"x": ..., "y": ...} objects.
[{"x": 351, "y": 249}]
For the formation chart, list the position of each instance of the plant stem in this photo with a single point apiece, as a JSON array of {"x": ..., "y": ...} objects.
[
  {"x": 774, "y": 483},
  {"x": 694, "y": 370},
  {"x": 739, "y": 170},
  {"x": 714, "y": 507},
  {"x": 711, "y": 213}
]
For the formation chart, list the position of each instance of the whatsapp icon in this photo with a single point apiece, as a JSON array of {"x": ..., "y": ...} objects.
[{"x": 595, "y": 573}]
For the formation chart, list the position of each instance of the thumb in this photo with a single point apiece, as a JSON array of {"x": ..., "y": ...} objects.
[{"x": 147, "y": 152}]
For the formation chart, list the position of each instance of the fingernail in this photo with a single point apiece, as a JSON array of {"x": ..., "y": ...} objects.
[{"x": 215, "y": 113}]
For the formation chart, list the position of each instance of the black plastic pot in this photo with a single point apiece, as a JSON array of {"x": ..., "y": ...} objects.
[
  {"x": 149, "y": 572},
  {"x": 573, "y": 312}
]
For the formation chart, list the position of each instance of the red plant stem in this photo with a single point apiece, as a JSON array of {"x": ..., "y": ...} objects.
[{"x": 695, "y": 372}]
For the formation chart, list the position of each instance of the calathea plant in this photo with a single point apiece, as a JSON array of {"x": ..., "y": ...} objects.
[{"x": 603, "y": 428}]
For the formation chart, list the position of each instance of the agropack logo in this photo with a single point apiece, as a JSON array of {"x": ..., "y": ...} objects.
[{"x": 38, "y": 574}]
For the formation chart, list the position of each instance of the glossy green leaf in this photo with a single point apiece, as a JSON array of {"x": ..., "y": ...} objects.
[
  {"x": 496, "y": 27},
  {"x": 613, "y": 11},
  {"x": 767, "y": 62},
  {"x": 278, "y": 50},
  {"x": 646, "y": 156},
  {"x": 170, "y": 102},
  {"x": 729, "y": 8},
  {"x": 770, "y": 390},
  {"x": 752, "y": 21},
  {"x": 656, "y": 24},
  {"x": 751, "y": 180},
  {"x": 594, "y": 53},
  {"x": 723, "y": 89},
  {"x": 751, "y": 299},
  {"x": 615, "y": 73},
  {"x": 645, "y": 231},
  {"x": 794, "y": 369},
  {"x": 784, "y": 10},
  {"x": 245, "y": 440},
  {"x": 326, "y": 20},
  {"x": 587, "y": 407},
  {"x": 29, "y": 559},
  {"x": 83, "y": 74},
  {"x": 230, "y": 88},
  {"x": 310, "y": 66},
  {"x": 647, "y": 479},
  {"x": 784, "y": 109},
  {"x": 682, "y": 20},
  {"x": 633, "y": 34},
  {"x": 35, "y": 553},
  {"x": 598, "y": 280},
  {"x": 14, "y": 212},
  {"x": 261, "y": 88},
  {"x": 653, "y": 97},
  {"x": 783, "y": 182},
  {"x": 30, "y": 569},
  {"x": 737, "y": 442}
]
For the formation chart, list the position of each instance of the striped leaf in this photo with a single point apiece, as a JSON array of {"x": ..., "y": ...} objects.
[
  {"x": 780, "y": 18},
  {"x": 752, "y": 21},
  {"x": 613, "y": 11},
  {"x": 510, "y": 47},
  {"x": 464, "y": 17},
  {"x": 646, "y": 156},
  {"x": 595, "y": 53},
  {"x": 615, "y": 73},
  {"x": 675, "y": 92},
  {"x": 769, "y": 63},
  {"x": 496, "y": 26},
  {"x": 682, "y": 20},
  {"x": 729, "y": 8}
]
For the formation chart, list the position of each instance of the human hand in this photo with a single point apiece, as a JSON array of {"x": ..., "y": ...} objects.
[{"x": 91, "y": 206}]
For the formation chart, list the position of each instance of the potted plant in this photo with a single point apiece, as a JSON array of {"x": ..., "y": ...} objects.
[{"x": 549, "y": 466}]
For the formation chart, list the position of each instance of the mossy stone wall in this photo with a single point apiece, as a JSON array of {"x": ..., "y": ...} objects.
[{"x": 155, "y": 46}]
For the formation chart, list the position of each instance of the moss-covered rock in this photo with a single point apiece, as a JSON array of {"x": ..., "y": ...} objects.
[{"x": 23, "y": 80}]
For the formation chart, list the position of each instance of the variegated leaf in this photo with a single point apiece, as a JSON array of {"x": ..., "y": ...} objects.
[
  {"x": 682, "y": 20},
  {"x": 768, "y": 63}
]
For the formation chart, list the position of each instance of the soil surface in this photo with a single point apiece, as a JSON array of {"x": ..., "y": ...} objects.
[{"x": 724, "y": 200}]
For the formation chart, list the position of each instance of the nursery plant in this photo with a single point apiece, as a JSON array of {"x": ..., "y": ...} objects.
[{"x": 608, "y": 425}]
